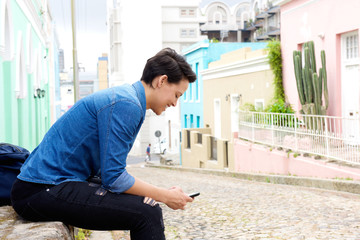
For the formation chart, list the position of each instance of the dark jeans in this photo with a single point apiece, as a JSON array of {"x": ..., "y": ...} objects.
[{"x": 87, "y": 205}]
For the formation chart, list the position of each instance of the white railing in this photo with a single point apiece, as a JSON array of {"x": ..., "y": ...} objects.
[{"x": 332, "y": 137}]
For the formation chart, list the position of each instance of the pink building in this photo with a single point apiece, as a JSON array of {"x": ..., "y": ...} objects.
[{"x": 334, "y": 27}]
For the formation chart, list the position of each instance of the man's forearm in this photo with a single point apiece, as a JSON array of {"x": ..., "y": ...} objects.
[{"x": 142, "y": 188}]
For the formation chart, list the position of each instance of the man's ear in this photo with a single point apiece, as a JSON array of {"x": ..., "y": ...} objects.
[{"x": 162, "y": 80}]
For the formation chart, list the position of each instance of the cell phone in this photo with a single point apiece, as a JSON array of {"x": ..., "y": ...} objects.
[{"x": 192, "y": 195}]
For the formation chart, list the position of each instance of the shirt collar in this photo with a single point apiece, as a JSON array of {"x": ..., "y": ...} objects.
[{"x": 140, "y": 92}]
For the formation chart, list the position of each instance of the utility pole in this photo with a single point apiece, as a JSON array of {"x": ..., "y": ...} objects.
[{"x": 75, "y": 63}]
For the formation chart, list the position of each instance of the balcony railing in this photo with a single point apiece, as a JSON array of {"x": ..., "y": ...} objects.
[{"x": 331, "y": 137}]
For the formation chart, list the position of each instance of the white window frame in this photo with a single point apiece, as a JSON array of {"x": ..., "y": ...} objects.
[
  {"x": 7, "y": 31},
  {"x": 235, "y": 104},
  {"x": 37, "y": 70},
  {"x": 259, "y": 100},
  {"x": 21, "y": 76},
  {"x": 186, "y": 33},
  {"x": 187, "y": 12},
  {"x": 217, "y": 118},
  {"x": 29, "y": 48}
]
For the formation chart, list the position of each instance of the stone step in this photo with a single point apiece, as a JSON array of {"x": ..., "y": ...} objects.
[{"x": 13, "y": 227}]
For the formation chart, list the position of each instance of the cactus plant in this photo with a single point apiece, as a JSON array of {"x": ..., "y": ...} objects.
[{"x": 311, "y": 85}]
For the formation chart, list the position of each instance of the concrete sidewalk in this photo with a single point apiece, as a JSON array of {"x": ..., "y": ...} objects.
[{"x": 328, "y": 184}]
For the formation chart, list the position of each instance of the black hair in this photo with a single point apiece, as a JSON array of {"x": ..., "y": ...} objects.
[{"x": 168, "y": 62}]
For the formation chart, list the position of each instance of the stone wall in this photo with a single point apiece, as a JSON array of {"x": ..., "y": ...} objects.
[{"x": 13, "y": 227}]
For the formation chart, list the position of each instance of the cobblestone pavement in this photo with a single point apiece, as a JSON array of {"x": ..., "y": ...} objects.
[{"x": 230, "y": 208}]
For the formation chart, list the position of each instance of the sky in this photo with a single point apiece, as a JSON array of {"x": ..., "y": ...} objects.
[{"x": 91, "y": 31}]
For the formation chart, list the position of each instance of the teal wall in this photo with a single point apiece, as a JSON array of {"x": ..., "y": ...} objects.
[{"x": 23, "y": 121}]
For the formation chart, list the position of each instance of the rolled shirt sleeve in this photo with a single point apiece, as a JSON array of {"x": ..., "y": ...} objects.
[
  {"x": 119, "y": 124},
  {"x": 122, "y": 183}
]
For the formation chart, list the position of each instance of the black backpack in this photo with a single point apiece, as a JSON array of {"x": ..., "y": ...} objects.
[{"x": 11, "y": 159}]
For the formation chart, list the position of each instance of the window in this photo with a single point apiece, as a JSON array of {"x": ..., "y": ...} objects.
[
  {"x": 242, "y": 13},
  {"x": 191, "y": 91},
  {"x": 185, "y": 95},
  {"x": 235, "y": 103},
  {"x": 37, "y": 69},
  {"x": 259, "y": 104},
  {"x": 29, "y": 47},
  {"x": 191, "y": 121},
  {"x": 6, "y": 35},
  {"x": 185, "y": 120},
  {"x": 183, "y": 33},
  {"x": 352, "y": 47},
  {"x": 21, "y": 81},
  {"x": 217, "y": 118},
  {"x": 188, "y": 33},
  {"x": 217, "y": 15},
  {"x": 197, "y": 90},
  {"x": 272, "y": 21},
  {"x": 183, "y": 12},
  {"x": 198, "y": 121},
  {"x": 187, "y": 12},
  {"x": 199, "y": 138},
  {"x": 213, "y": 146},
  {"x": 188, "y": 145}
]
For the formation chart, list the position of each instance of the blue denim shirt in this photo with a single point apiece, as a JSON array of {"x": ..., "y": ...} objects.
[{"x": 94, "y": 136}]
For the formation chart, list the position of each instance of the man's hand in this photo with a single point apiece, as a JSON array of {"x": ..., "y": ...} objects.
[
  {"x": 177, "y": 199},
  {"x": 174, "y": 197}
]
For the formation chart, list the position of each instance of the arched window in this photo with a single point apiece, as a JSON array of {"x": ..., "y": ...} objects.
[
  {"x": 217, "y": 15},
  {"x": 21, "y": 80},
  {"x": 242, "y": 14},
  {"x": 37, "y": 70},
  {"x": 217, "y": 18},
  {"x": 256, "y": 9},
  {"x": 6, "y": 35},
  {"x": 45, "y": 65},
  {"x": 29, "y": 48}
]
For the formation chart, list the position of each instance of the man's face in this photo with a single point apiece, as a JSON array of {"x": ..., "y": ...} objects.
[{"x": 168, "y": 94}]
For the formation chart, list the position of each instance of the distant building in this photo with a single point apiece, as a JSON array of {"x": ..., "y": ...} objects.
[
  {"x": 102, "y": 72},
  {"x": 86, "y": 83},
  {"x": 180, "y": 23},
  {"x": 61, "y": 60},
  {"x": 180, "y": 29},
  {"x": 66, "y": 91},
  {"x": 240, "y": 21}
]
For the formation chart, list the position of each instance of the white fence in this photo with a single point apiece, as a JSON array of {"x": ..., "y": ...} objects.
[{"x": 332, "y": 137}]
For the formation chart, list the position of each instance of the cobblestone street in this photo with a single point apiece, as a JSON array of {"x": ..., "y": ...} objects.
[{"x": 230, "y": 208}]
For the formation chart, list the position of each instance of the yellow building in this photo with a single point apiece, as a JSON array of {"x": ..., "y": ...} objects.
[{"x": 239, "y": 77}]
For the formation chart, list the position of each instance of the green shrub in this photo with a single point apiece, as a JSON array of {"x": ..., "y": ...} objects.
[
  {"x": 279, "y": 106},
  {"x": 275, "y": 61},
  {"x": 248, "y": 107}
]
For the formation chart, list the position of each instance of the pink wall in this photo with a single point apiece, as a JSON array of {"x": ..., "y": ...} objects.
[
  {"x": 253, "y": 158},
  {"x": 304, "y": 20}
]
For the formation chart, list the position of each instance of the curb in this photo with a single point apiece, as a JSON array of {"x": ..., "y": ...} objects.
[{"x": 327, "y": 184}]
